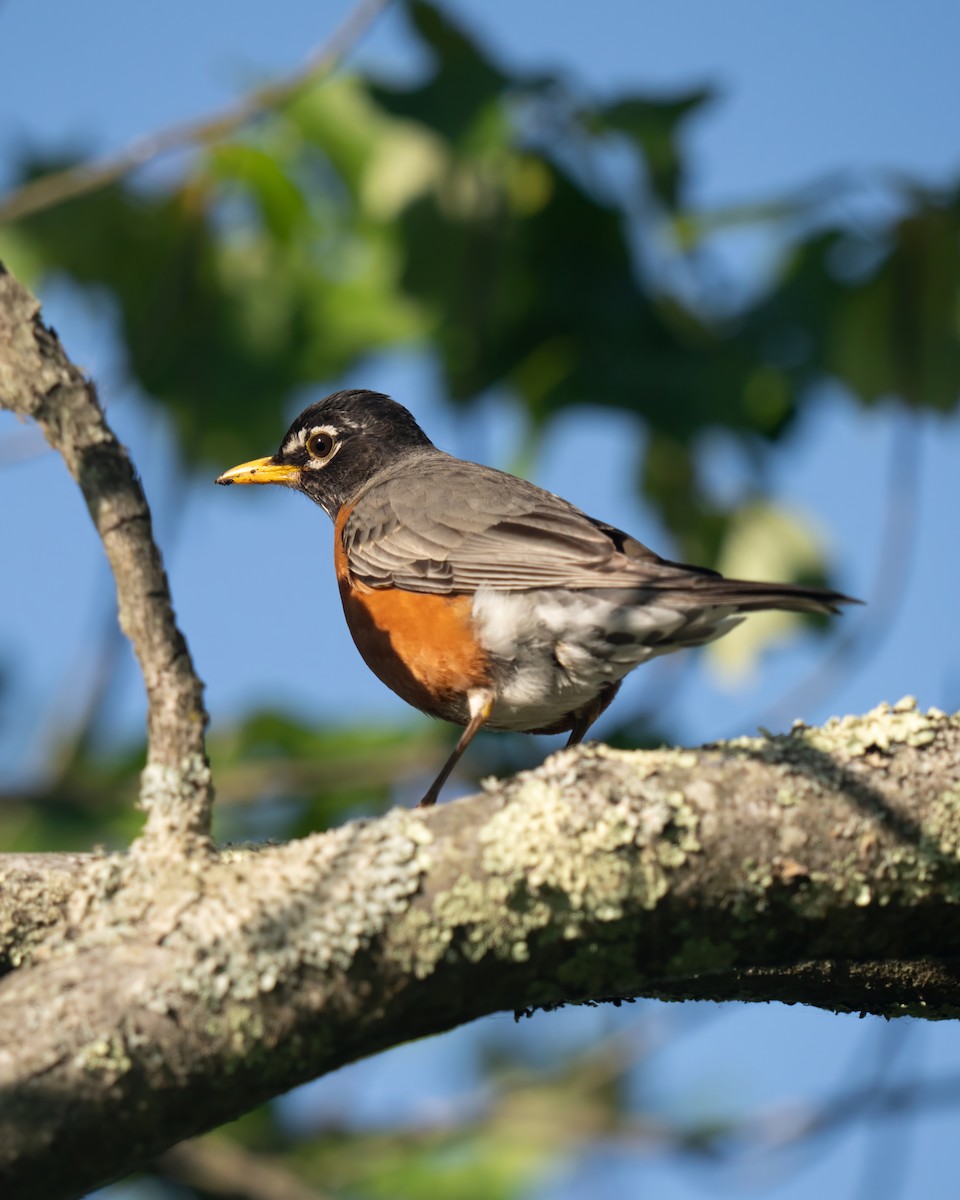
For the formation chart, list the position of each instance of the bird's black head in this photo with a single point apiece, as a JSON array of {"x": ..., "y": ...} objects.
[{"x": 335, "y": 446}]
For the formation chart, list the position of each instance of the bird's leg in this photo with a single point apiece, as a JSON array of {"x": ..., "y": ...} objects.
[
  {"x": 480, "y": 703},
  {"x": 582, "y": 722},
  {"x": 589, "y": 713}
]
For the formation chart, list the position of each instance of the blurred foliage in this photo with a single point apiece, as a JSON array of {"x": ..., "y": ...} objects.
[
  {"x": 497, "y": 220},
  {"x": 506, "y": 224},
  {"x": 531, "y": 1118},
  {"x": 532, "y": 241},
  {"x": 276, "y": 776}
]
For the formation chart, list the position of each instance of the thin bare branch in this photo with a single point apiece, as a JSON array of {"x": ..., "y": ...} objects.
[
  {"x": 38, "y": 380},
  {"x": 217, "y": 1166},
  {"x": 76, "y": 181}
]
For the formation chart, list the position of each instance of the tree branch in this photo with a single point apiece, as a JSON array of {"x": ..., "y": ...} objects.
[
  {"x": 35, "y": 892},
  {"x": 37, "y": 380},
  {"x": 53, "y": 189},
  {"x": 819, "y": 867}
]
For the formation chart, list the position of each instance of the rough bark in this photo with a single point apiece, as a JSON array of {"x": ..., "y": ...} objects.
[{"x": 819, "y": 867}]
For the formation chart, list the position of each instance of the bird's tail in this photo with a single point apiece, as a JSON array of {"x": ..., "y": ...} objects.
[{"x": 747, "y": 595}]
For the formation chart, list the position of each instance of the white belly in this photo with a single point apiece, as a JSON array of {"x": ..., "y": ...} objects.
[{"x": 554, "y": 652}]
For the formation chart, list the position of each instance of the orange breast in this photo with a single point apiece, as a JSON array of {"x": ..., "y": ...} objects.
[{"x": 421, "y": 646}]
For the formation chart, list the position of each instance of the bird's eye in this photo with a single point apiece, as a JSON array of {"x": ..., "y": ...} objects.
[{"x": 320, "y": 444}]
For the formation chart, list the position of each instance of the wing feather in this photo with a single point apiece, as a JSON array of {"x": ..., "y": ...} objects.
[
  {"x": 458, "y": 526},
  {"x": 453, "y": 527}
]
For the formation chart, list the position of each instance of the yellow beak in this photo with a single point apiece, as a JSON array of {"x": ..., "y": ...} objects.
[{"x": 261, "y": 470}]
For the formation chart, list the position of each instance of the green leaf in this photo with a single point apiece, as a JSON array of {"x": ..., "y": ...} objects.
[
  {"x": 898, "y": 333},
  {"x": 654, "y": 126},
  {"x": 338, "y": 117},
  {"x": 279, "y": 200},
  {"x": 879, "y": 313},
  {"x": 463, "y": 85}
]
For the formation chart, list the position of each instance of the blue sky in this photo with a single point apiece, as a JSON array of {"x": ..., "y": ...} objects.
[{"x": 804, "y": 91}]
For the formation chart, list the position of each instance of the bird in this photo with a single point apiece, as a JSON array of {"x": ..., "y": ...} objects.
[{"x": 482, "y": 599}]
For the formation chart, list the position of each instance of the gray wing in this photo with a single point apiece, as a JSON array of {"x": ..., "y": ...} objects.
[
  {"x": 452, "y": 526},
  {"x": 448, "y": 526}
]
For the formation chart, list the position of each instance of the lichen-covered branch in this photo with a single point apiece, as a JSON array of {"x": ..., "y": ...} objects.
[
  {"x": 35, "y": 892},
  {"x": 821, "y": 867},
  {"x": 37, "y": 380}
]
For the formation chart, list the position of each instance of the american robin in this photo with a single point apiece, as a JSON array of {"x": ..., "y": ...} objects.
[{"x": 482, "y": 599}]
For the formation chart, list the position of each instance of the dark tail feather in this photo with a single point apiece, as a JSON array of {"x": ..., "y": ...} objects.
[
  {"x": 703, "y": 586},
  {"x": 749, "y": 596}
]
